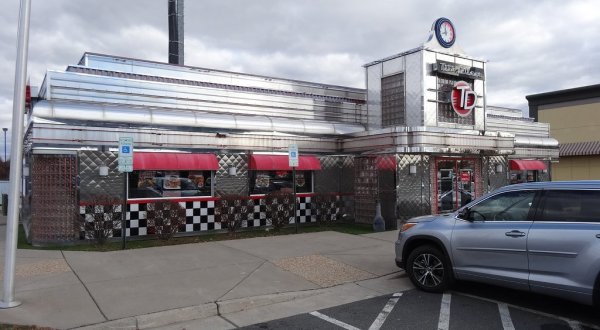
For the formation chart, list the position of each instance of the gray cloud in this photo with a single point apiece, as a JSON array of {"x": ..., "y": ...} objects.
[{"x": 530, "y": 46}]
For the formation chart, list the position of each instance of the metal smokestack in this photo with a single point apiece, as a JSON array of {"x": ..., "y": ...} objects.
[{"x": 176, "y": 32}]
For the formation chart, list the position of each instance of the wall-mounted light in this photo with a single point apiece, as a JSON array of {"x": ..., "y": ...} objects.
[
  {"x": 103, "y": 170},
  {"x": 412, "y": 169},
  {"x": 499, "y": 168},
  {"x": 232, "y": 171}
]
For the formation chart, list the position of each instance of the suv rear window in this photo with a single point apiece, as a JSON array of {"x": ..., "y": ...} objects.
[{"x": 571, "y": 206}]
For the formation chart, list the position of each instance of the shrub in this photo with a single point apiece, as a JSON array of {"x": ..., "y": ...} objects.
[
  {"x": 280, "y": 208},
  {"x": 323, "y": 208},
  {"x": 231, "y": 210},
  {"x": 165, "y": 217},
  {"x": 105, "y": 216}
]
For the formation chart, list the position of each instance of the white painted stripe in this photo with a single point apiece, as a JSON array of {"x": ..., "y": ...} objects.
[
  {"x": 444, "y": 321},
  {"x": 333, "y": 321},
  {"x": 387, "y": 309},
  {"x": 505, "y": 317},
  {"x": 587, "y": 325},
  {"x": 574, "y": 325}
]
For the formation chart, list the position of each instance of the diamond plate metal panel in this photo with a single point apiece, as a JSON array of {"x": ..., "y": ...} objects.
[
  {"x": 232, "y": 184},
  {"x": 414, "y": 89},
  {"x": 331, "y": 162},
  {"x": 413, "y": 191},
  {"x": 337, "y": 176},
  {"x": 492, "y": 179},
  {"x": 91, "y": 184}
]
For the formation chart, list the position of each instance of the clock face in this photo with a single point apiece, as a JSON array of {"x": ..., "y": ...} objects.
[{"x": 444, "y": 32}]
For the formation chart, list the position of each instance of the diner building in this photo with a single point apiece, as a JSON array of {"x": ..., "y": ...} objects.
[{"x": 418, "y": 139}]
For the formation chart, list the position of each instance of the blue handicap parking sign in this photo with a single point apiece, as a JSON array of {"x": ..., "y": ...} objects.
[{"x": 125, "y": 149}]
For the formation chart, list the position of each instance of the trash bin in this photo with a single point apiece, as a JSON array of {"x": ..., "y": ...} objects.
[{"x": 4, "y": 204}]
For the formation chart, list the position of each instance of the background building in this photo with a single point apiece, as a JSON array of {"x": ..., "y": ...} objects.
[{"x": 574, "y": 118}]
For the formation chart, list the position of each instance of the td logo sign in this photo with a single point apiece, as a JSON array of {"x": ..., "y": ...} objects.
[{"x": 463, "y": 98}]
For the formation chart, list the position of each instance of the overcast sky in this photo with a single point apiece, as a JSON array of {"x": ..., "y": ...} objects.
[{"x": 531, "y": 46}]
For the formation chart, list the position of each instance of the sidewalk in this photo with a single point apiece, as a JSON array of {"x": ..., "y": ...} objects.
[{"x": 216, "y": 285}]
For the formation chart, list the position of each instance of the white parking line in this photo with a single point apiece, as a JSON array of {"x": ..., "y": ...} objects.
[
  {"x": 444, "y": 321},
  {"x": 387, "y": 309},
  {"x": 505, "y": 317},
  {"x": 333, "y": 321},
  {"x": 379, "y": 320},
  {"x": 575, "y": 325}
]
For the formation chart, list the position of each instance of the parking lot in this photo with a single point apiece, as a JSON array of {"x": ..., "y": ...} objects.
[{"x": 415, "y": 309}]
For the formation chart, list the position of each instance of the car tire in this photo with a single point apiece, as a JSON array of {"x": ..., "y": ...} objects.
[{"x": 429, "y": 269}]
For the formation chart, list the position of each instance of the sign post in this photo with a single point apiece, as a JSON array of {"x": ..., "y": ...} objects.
[
  {"x": 125, "y": 166},
  {"x": 293, "y": 162}
]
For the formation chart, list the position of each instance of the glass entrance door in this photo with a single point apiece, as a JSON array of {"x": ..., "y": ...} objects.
[{"x": 455, "y": 184}]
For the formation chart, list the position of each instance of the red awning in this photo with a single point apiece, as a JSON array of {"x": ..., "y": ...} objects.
[
  {"x": 174, "y": 161},
  {"x": 526, "y": 165},
  {"x": 281, "y": 163}
]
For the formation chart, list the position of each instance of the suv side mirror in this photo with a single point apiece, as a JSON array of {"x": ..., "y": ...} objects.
[{"x": 465, "y": 214}]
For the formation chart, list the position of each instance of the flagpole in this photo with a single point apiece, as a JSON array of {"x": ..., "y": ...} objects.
[{"x": 16, "y": 158}]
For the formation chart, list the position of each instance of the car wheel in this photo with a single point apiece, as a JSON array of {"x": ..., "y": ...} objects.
[{"x": 428, "y": 269}]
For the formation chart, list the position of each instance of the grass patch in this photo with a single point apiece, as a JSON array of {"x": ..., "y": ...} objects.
[
  {"x": 132, "y": 243},
  {"x": 5, "y": 326}
]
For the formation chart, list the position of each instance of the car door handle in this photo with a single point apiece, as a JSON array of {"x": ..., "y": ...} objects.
[
  {"x": 598, "y": 236},
  {"x": 515, "y": 233}
]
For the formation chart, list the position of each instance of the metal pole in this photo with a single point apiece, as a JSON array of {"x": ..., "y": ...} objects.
[
  {"x": 16, "y": 158},
  {"x": 124, "y": 211},
  {"x": 295, "y": 201},
  {"x": 5, "y": 129}
]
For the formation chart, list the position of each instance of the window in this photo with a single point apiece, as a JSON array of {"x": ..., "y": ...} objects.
[
  {"x": 158, "y": 184},
  {"x": 445, "y": 113},
  {"x": 572, "y": 206},
  {"x": 264, "y": 182},
  {"x": 510, "y": 206},
  {"x": 392, "y": 100}
]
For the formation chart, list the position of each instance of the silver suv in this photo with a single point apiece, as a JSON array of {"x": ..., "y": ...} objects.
[{"x": 542, "y": 237}]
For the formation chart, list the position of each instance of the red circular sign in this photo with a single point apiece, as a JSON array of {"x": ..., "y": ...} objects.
[{"x": 463, "y": 98}]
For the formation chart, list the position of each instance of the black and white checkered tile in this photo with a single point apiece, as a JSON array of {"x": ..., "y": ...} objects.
[
  {"x": 303, "y": 212},
  {"x": 258, "y": 218},
  {"x": 200, "y": 217}
]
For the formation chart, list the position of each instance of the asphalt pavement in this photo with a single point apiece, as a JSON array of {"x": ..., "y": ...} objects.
[{"x": 216, "y": 285}]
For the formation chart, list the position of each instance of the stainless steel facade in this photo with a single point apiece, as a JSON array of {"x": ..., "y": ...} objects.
[
  {"x": 413, "y": 191},
  {"x": 226, "y": 184},
  {"x": 88, "y": 107},
  {"x": 110, "y": 186}
]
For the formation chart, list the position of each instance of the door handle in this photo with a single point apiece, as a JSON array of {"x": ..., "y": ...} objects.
[
  {"x": 598, "y": 236},
  {"x": 515, "y": 233}
]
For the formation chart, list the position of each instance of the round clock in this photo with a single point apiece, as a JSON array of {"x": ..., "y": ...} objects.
[{"x": 444, "y": 32}]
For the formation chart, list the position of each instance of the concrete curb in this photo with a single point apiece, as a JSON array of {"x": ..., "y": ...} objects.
[
  {"x": 242, "y": 304},
  {"x": 172, "y": 316},
  {"x": 158, "y": 319}
]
